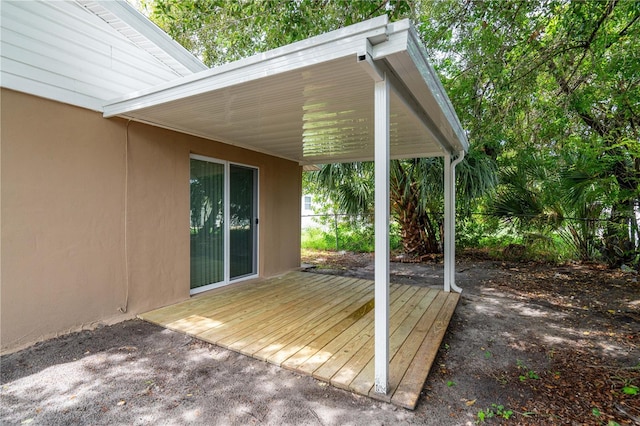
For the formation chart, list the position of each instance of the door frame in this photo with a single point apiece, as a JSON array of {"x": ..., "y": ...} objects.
[{"x": 227, "y": 240}]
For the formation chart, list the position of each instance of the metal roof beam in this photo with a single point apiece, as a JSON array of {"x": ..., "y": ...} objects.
[{"x": 377, "y": 69}]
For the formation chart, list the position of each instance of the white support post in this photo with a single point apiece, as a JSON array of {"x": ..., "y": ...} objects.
[
  {"x": 381, "y": 127},
  {"x": 449, "y": 217},
  {"x": 450, "y": 222}
]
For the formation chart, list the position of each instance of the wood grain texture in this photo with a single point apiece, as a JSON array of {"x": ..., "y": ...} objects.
[{"x": 322, "y": 326}]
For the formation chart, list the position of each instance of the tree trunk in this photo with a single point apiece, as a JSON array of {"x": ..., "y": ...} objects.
[{"x": 419, "y": 236}]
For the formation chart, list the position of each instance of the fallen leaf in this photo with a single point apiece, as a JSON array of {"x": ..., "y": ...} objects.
[{"x": 470, "y": 403}]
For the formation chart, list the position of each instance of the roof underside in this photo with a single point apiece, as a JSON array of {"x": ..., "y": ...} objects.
[{"x": 313, "y": 101}]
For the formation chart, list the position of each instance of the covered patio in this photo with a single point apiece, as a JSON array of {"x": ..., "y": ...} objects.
[
  {"x": 321, "y": 326},
  {"x": 361, "y": 93}
]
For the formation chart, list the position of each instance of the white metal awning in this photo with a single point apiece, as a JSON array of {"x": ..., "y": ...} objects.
[
  {"x": 312, "y": 101},
  {"x": 365, "y": 92}
]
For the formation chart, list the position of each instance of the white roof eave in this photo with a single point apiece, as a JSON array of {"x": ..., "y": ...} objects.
[
  {"x": 407, "y": 57},
  {"x": 322, "y": 48},
  {"x": 395, "y": 47},
  {"x": 150, "y": 31},
  {"x": 419, "y": 55}
]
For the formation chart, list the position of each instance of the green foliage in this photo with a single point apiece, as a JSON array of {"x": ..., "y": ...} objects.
[
  {"x": 630, "y": 390},
  {"x": 349, "y": 233},
  {"x": 220, "y": 31},
  {"x": 550, "y": 90},
  {"x": 495, "y": 411},
  {"x": 417, "y": 193},
  {"x": 527, "y": 372}
]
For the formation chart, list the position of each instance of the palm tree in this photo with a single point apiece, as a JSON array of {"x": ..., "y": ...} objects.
[
  {"x": 568, "y": 194},
  {"x": 416, "y": 192}
]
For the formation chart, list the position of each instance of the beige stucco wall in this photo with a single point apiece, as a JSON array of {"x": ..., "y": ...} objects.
[{"x": 67, "y": 259}]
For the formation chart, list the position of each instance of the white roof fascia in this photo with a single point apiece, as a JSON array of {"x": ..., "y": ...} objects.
[
  {"x": 323, "y": 48},
  {"x": 403, "y": 40},
  {"x": 419, "y": 55},
  {"x": 379, "y": 69},
  {"x": 405, "y": 96},
  {"x": 146, "y": 28}
]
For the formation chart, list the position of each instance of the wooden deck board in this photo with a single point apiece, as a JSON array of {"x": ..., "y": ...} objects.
[
  {"x": 346, "y": 348},
  {"x": 288, "y": 327},
  {"x": 346, "y": 375},
  {"x": 286, "y": 291},
  {"x": 315, "y": 326},
  {"x": 364, "y": 382},
  {"x": 315, "y": 353},
  {"x": 243, "y": 322},
  {"x": 285, "y": 316},
  {"x": 416, "y": 374},
  {"x": 321, "y": 325}
]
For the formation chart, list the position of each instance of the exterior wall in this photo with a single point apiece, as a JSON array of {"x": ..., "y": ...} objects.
[{"x": 67, "y": 259}]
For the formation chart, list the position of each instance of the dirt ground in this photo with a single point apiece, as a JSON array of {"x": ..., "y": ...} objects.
[{"x": 528, "y": 344}]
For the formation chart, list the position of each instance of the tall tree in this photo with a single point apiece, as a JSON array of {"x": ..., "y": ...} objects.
[
  {"x": 557, "y": 78},
  {"x": 220, "y": 31},
  {"x": 416, "y": 191}
]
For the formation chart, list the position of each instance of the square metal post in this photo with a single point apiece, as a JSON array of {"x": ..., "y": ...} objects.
[
  {"x": 381, "y": 361},
  {"x": 448, "y": 219}
]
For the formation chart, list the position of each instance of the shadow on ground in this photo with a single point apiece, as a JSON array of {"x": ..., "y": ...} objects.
[{"x": 505, "y": 327}]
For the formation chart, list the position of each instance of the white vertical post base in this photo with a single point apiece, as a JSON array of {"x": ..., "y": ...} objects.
[{"x": 381, "y": 355}]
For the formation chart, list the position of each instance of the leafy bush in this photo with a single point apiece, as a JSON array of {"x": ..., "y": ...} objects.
[{"x": 352, "y": 235}]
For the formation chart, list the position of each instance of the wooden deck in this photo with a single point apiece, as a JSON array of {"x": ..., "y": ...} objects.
[{"x": 322, "y": 326}]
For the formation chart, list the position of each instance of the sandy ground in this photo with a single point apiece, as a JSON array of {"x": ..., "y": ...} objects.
[{"x": 512, "y": 332}]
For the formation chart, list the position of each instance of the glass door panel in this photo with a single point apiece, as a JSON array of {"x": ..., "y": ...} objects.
[
  {"x": 242, "y": 220},
  {"x": 207, "y": 223}
]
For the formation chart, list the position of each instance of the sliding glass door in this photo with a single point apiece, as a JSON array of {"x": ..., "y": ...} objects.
[
  {"x": 223, "y": 222},
  {"x": 242, "y": 220},
  {"x": 207, "y": 223}
]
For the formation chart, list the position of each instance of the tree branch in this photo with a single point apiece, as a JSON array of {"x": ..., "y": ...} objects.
[
  {"x": 590, "y": 121},
  {"x": 587, "y": 45},
  {"x": 624, "y": 30}
]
